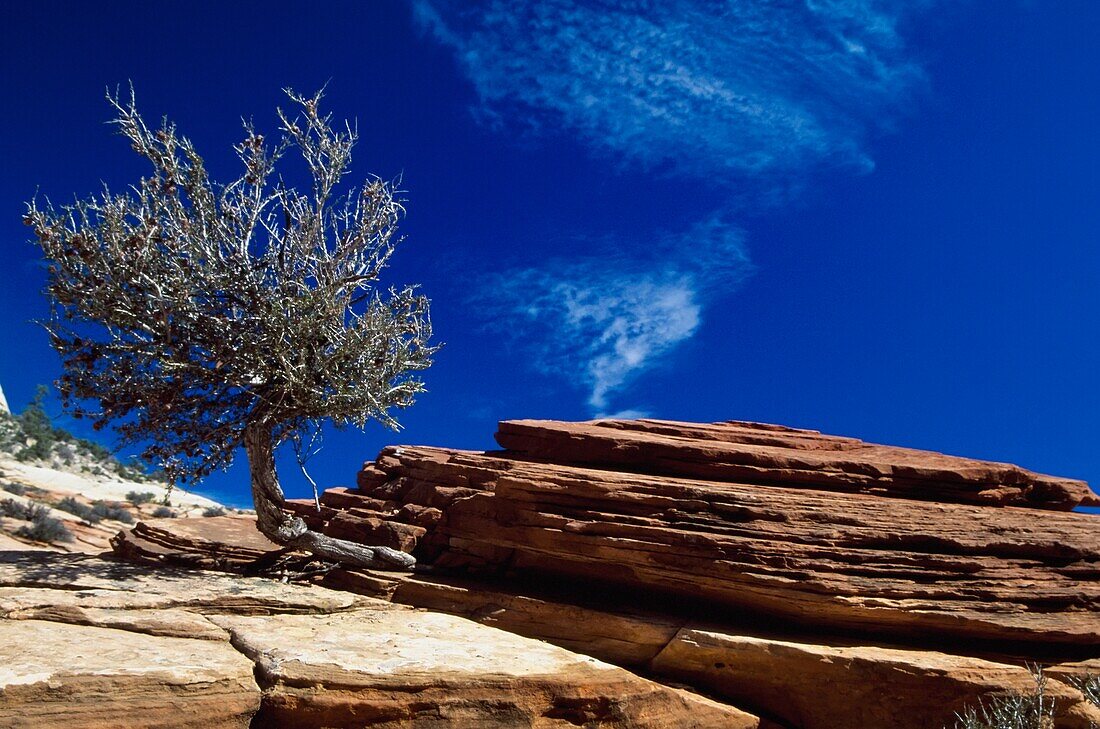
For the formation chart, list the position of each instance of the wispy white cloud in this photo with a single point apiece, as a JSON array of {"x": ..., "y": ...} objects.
[
  {"x": 726, "y": 89},
  {"x": 747, "y": 96},
  {"x": 602, "y": 320}
]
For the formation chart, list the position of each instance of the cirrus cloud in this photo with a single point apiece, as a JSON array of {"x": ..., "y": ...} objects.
[{"x": 744, "y": 96}]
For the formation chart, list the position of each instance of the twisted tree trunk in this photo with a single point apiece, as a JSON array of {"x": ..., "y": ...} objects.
[{"x": 290, "y": 531}]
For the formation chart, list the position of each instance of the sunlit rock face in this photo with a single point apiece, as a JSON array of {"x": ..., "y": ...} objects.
[
  {"x": 91, "y": 642},
  {"x": 813, "y": 580}
]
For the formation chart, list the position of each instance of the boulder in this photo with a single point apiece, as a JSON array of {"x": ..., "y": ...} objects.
[
  {"x": 229, "y": 543},
  {"x": 814, "y": 580}
]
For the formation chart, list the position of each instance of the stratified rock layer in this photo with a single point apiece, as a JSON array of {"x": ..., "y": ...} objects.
[
  {"x": 387, "y": 667},
  {"x": 772, "y": 454},
  {"x": 835, "y": 560},
  {"x": 813, "y": 580},
  {"x": 87, "y": 642},
  {"x": 824, "y": 687}
]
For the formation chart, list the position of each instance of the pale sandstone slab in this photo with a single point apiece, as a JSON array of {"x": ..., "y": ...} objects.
[
  {"x": 852, "y": 687},
  {"x": 395, "y": 667},
  {"x": 73, "y": 676},
  {"x": 91, "y": 582}
]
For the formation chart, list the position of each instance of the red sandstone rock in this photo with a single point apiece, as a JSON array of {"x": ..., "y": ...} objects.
[
  {"x": 769, "y": 454},
  {"x": 846, "y": 561}
]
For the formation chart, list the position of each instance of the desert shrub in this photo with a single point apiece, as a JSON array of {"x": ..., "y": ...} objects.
[
  {"x": 82, "y": 511},
  {"x": 137, "y": 499},
  {"x": 1032, "y": 710},
  {"x": 44, "y": 528},
  {"x": 14, "y": 488},
  {"x": 14, "y": 509},
  {"x": 28, "y": 511},
  {"x": 163, "y": 512},
  {"x": 113, "y": 512},
  {"x": 1089, "y": 685},
  {"x": 93, "y": 450},
  {"x": 214, "y": 511}
]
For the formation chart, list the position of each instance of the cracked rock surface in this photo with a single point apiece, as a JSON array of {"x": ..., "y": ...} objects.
[{"x": 91, "y": 642}]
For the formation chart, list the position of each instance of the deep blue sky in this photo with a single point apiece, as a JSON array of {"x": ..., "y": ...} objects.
[{"x": 866, "y": 220}]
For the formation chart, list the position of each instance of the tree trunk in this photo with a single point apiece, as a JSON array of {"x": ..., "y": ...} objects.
[{"x": 290, "y": 531}]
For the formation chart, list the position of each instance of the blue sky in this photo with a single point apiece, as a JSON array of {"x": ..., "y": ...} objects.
[{"x": 877, "y": 219}]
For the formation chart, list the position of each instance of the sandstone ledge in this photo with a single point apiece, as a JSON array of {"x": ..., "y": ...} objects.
[{"x": 89, "y": 642}]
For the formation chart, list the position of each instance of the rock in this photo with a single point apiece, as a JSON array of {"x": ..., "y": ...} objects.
[
  {"x": 366, "y": 529},
  {"x": 852, "y": 687},
  {"x": 816, "y": 558},
  {"x": 229, "y": 543},
  {"x": 38, "y": 580},
  {"x": 770, "y": 454},
  {"x": 817, "y": 581},
  {"x": 88, "y": 642},
  {"x": 796, "y": 682},
  {"x": 359, "y": 668},
  {"x": 60, "y": 675}
]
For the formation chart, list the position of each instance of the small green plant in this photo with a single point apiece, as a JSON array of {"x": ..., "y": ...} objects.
[
  {"x": 214, "y": 511},
  {"x": 113, "y": 512},
  {"x": 144, "y": 497},
  {"x": 1032, "y": 710},
  {"x": 44, "y": 528},
  {"x": 37, "y": 428},
  {"x": 163, "y": 512},
  {"x": 14, "y": 488},
  {"x": 28, "y": 511},
  {"x": 82, "y": 511}
]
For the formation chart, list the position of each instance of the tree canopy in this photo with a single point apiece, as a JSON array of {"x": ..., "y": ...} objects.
[{"x": 188, "y": 311}]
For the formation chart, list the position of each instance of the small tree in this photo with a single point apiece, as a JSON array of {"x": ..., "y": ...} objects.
[{"x": 201, "y": 317}]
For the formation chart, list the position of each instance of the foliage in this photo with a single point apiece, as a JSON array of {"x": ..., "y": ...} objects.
[
  {"x": 188, "y": 309},
  {"x": 214, "y": 511},
  {"x": 144, "y": 497},
  {"x": 1089, "y": 686},
  {"x": 1032, "y": 710},
  {"x": 32, "y": 437},
  {"x": 22, "y": 510},
  {"x": 82, "y": 511},
  {"x": 163, "y": 512},
  {"x": 14, "y": 488},
  {"x": 42, "y": 527},
  {"x": 45, "y": 528},
  {"x": 104, "y": 510},
  {"x": 38, "y": 430}
]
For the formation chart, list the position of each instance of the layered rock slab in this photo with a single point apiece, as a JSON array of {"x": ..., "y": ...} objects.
[
  {"x": 800, "y": 680},
  {"x": 91, "y": 642},
  {"x": 387, "y": 667},
  {"x": 770, "y": 454},
  {"x": 853, "y": 687},
  {"x": 60, "y": 675},
  {"x": 831, "y": 560}
]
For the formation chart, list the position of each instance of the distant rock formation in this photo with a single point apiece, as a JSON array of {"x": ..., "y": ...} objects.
[
  {"x": 4, "y": 409},
  {"x": 815, "y": 581}
]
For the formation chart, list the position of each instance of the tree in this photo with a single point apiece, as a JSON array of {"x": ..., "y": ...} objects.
[{"x": 199, "y": 317}]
